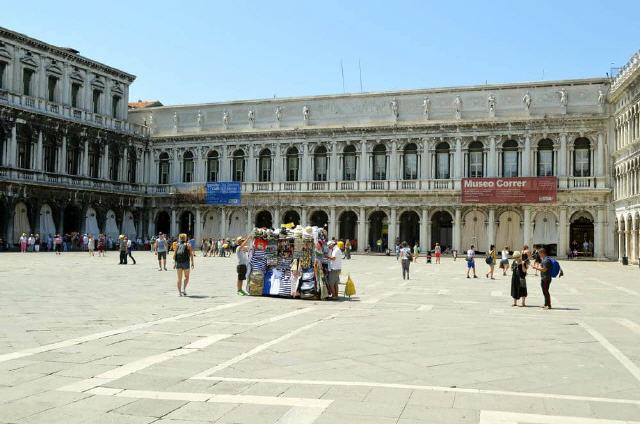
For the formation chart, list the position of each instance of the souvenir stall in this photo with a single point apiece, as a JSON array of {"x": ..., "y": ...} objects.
[{"x": 288, "y": 262}]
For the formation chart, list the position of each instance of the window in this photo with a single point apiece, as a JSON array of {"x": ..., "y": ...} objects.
[
  {"x": 264, "y": 166},
  {"x": 476, "y": 160},
  {"x": 545, "y": 158},
  {"x": 52, "y": 84},
  {"x": 292, "y": 164},
  {"x": 582, "y": 158},
  {"x": 187, "y": 167},
  {"x": 115, "y": 105},
  {"x": 27, "y": 79},
  {"x": 163, "y": 168},
  {"x": 320, "y": 164},
  {"x": 94, "y": 160},
  {"x": 25, "y": 136},
  {"x": 349, "y": 163},
  {"x": 50, "y": 153},
  {"x": 75, "y": 94},
  {"x": 510, "y": 159},
  {"x": 132, "y": 168},
  {"x": 3, "y": 66},
  {"x": 238, "y": 166},
  {"x": 410, "y": 160},
  {"x": 379, "y": 162},
  {"x": 97, "y": 94},
  {"x": 212, "y": 166},
  {"x": 114, "y": 163},
  {"x": 73, "y": 156},
  {"x": 442, "y": 161}
]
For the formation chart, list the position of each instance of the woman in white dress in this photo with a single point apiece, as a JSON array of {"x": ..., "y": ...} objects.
[{"x": 91, "y": 244}]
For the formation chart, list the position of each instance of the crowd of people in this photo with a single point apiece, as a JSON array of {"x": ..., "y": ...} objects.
[{"x": 73, "y": 242}]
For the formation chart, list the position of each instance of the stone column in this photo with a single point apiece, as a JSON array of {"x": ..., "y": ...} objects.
[
  {"x": 392, "y": 235},
  {"x": 151, "y": 226},
  {"x": 125, "y": 165},
  {"x": 252, "y": 170},
  {"x": 333, "y": 228},
  {"x": 85, "y": 159},
  {"x": 526, "y": 227},
  {"x": 276, "y": 176},
  {"x": 223, "y": 222},
  {"x": 105, "y": 162},
  {"x": 249, "y": 226},
  {"x": 174, "y": 226},
  {"x": 39, "y": 156},
  {"x": 491, "y": 227},
  {"x": 563, "y": 243},
  {"x": 225, "y": 171},
  {"x": 175, "y": 167},
  {"x": 364, "y": 161},
  {"x": 562, "y": 156},
  {"x": 491, "y": 160},
  {"x": 458, "y": 162},
  {"x": 305, "y": 166},
  {"x": 599, "y": 236},
  {"x": 526, "y": 157},
  {"x": 426, "y": 161},
  {"x": 276, "y": 218},
  {"x": 334, "y": 163},
  {"x": 362, "y": 235},
  {"x": 424, "y": 218},
  {"x": 304, "y": 218},
  {"x": 63, "y": 156},
  {"x": 13, "y": 147},
  {"x": 634, "y": 240},
  {"x": 456, "y": 230},
  {"x": 393, "y": 171},
  {"x": 197, "y": 232}
]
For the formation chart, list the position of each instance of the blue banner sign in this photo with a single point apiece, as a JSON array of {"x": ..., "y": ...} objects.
[{"x": 223, "y": 193}]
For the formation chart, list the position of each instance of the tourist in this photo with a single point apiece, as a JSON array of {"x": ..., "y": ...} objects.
[
  {"x": 379, "y": 244},
  {"x": 518, "y": 279},
  {"x": 57, "y": 243},
  {"x": 405, "y": 260},
  {"x": 585, "y": 248},
  {"x": 397, "y": 250},
  {"x": 243, "y": 261},
  {"x": 130, "y": 247},
  {"x": 416, "y": 251},
  {"x": 122, "y": 247},
  {"x": 545, "y": 276},
  {"x": 334, "y": 267},
  {"x": 49, "y": 243},
  {"x": 31, "y": 241},
  {"x": 91, "y": 244},
  {"x": 491, "y": 261},
  {"x": 437, "y": 251},
  {"x": 101, "y": 245},
  {"x": 160, "y": 250},
  {"x": 471, "y": 262},
  {"x": 37, "y": 242},
  {"x": 182, "y": 258},
  {"x": 526, "y": 255},
  {"x": 192, "y": 242},
  {"x": 535, "y": 255},
  {"x": 23, "y": 243},
  {"x": 85, "y": 242},
  {"x": 504, "y": 260},
  {"x": 347, "y": 249}
]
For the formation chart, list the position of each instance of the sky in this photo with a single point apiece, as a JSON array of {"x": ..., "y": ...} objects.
[{"x": 185, "y": 52}]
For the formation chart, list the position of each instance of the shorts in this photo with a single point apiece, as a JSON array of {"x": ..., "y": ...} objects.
[
  {"x": 183, "y": 265},
  {"x": 438, "y": 254},
  {"x": 334, "y": 278},
  {"x": 58, "y": 248},
  {"x": 504, "y": 262},
  {"x": 162, "y": 255},
  {"x": 471, "y": 264},
  {"x": 242, "y": 272}
]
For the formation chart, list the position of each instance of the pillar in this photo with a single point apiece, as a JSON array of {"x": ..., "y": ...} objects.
[
  {"x": 627, "y": 239},
  {"x": 105, "y": 163},
  {"x": 85, "y": 159},
  {"x": 225, "y": 169},
  {"x": 562, "y": 156},
  {"x": 251, "y": 172},
  {"x": 362, "y": 235},
  {"x": 364, "y": 162},
  {"x": 175, "y": 167},
  {"x": 424, "y": 218},
  {"x": 13, "y": 146},
  {"x": 223, "y": 222},
  {"x": 197, "y": 232},
  {"x": 458, "y": 162},
  {"x": 39, "y": 156},
  {"x": 276, "y": 218},
  {"x": 620, "y": 241},
  {"x": 249, "y": 220},
  {"x": 392, "y": 228},
  {"x": 393, "y": 171},
  {"x": 174, "y": 229},
  {"x": 334, "y": 164},
  {"x": 456, "y": 229},
  {"x": 563, "y": 243},
  {"x": 151, "y": 226},
  {"x": 305, "y": 166},
  {"x": 124, "y": 165},
  {"x": 600, "y": 160},
  {"x": 491, "y": 161},
  {"x": 526, "y": 227},
  {"x": 62, "y": 164},
  {"x": 526, "y": 157},
  {"x": 599, "y": 229},
  {"x": 333, "y": 227},
  {"x": 276, "y": 171},
  {"x": 491, "y": 228},
  {"x": 426, "y": 161}
]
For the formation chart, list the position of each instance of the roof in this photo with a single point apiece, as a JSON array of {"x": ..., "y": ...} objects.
[{"x": 141, "y": 104}]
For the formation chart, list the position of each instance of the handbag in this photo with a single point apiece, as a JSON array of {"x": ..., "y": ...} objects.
[{"x": 523, "y": 283}]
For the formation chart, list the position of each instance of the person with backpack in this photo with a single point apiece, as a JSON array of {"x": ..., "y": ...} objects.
[
  {"x": 160, "y": 249},
  {"x": 471, "y": 263},
  {"x": 545, "y": 268},
  {"x": 183, "y": 263},
  {"x": 405, "y": 259},
  {"x": 491, "y": 261}
]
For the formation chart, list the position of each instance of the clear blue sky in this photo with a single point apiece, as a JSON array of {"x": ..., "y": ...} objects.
[{"x": 207, "y": 51}]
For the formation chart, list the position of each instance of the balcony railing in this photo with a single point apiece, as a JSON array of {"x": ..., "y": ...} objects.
[{"x": 63, "y": 180}]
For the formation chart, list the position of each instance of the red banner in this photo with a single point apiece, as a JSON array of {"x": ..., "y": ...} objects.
[{"x": 510, "y": 190}]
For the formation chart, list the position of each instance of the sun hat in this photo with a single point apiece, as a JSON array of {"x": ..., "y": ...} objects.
[{"x": 517, "y": 254}]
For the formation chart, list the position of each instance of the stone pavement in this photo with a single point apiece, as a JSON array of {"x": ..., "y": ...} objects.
[{"x": 84, "y": 340}]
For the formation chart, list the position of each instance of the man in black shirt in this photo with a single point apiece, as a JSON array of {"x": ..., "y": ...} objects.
[{"x": 545, "y": 276}]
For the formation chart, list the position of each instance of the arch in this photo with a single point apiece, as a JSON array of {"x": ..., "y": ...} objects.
[
  {"x": 581, "y": 232},
  {"x": 72, "y": 220},
  {"x": 213, "y": 165},
  {"x": 443, "y": 162},
  {"x": 73, "y": 154},
  {"x": 46, "y": 224},
  {"x": 378, "y": 230},
  {"x": 129, "y": 225},
  {"x": 264, "y": 165},
  {"x": 291, "y": 216},
  {"x": 409, "y": 227},
  {"x": 163, "y": 223},
  {"x": 111, "y": 226},
  {"x": 545, "y": 231},
  {"x": 475, "y": 163},
  {"x": 410, "y": 161},
  {"x": 347, "y": 226},
  {"x": 442, "y": 229},
  {"x": 264, "y": 219},
  {"x": 187, "y": 223},
  {"x": 91, "y": 222},
  {"x": 379, "y": 162},
  {"x": 21, "y": 223},
  {"x": 164, "y": 168},
  {"x": 349, "y": 163},
  {"x": 509, "y": 231},
  {"x": 582, "y": 157},
  {"x": 510, "y": 159},
  {"x": 319, "y": 219},
  {"x": 238, "y": 165},
  {"x": 292, "y": 163},
  {"x": 545, "y": 158},
  {"x": 474, "y": 231},
  {"x": 211, "y": 228},
  {"x": 236, "y": 224},
  {"x": 320, "y": 163},
  {"x": 25, "y": 141},
  {"x": 187, "y": 167}
]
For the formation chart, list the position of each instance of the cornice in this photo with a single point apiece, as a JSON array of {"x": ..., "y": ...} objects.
[{"x": 629, "y": 72}]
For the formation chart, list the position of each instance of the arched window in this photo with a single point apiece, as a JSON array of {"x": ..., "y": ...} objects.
[
  {"x": 349, "y": 163},
  {"x": 476, "y": 160},
  {"x": 380, "y": 162},
  {"x": 320, "y": 164},
  {"x": 74, "y": 151},
  {"x": 264, "y": 165},
  {"x": 582, "y": 158},
  {"x": 410, "y": 162},
  {"x": 131, "y": 169},
  {"x": 545, "y": 158},
  {"x": 163, "y": 168},
  {"x": 212, "y": 166},
  {"x": 114, "y": 162},
  {"x": 442, "y": 161},
  {"x": 50, "y": 153},
  {"x": 510, "y": 158},
  {"x": 237, "y": 167},
  {"x": 94, "y": 160},
  {"x": 25, "y": 146},
  {"x": 187, "y": 167},
  {"x": 292, "y": 164}
]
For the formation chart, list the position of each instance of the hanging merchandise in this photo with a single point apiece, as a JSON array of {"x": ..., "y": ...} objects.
[
  {"x": 256, "y": 281},
  {"x": 350, "y": 288}
]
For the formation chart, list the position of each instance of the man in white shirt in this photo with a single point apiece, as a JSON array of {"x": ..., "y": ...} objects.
[
  {"x": 504, "y": 260},
  {"x": 471, "y": 263},
  {"x": 335, "y": 266}
]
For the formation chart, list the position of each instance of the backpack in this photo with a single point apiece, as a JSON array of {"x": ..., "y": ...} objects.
[
  {"x": 555, "y": 268},
  {"x": 489, "y": 260},
  {"x": 182, "y": 254}
]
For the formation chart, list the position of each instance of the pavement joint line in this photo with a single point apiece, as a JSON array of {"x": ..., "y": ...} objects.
[
  {"x": 629, "y": 324},
  {"x": 259, "y": 349},
  {"x": 96, "y": 336},
  {"x": 374, "y": 300},
  {"x": 418, "y": 387},
  {"x": 501, "y": 417},
  {"x": 628, "y": 291},
  {"x": 424, "y": 308},
  {"x": 614, "y": 351}
]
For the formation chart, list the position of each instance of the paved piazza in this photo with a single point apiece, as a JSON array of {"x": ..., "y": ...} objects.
[{"x": 87, "y": 341}]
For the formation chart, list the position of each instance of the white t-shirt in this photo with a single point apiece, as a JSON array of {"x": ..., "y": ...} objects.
[
  {"x": 336, "y": 264},
  {"x": 505, "y": 255},
  {"x": 405, "y": 253},
  {"x": 471, "y": 254}
]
